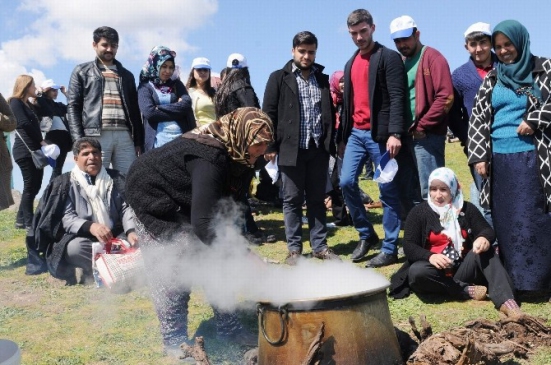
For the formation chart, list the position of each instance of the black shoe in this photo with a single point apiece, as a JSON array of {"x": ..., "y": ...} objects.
[
  {"x": 363, "y": 247},
  {"x": 20, "y": 225},
  {"x": 293, "y": 257},
  {"x": 253, "y": 239},
  {"x": 327, "y": 254},
  {"x": 382, "y": 259}
]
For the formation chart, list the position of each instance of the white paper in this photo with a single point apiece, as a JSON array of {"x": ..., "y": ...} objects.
[{"x": 273, "y": 170}]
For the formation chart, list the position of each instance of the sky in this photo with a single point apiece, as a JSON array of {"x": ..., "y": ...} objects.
[{"x": 48, "y": 38}]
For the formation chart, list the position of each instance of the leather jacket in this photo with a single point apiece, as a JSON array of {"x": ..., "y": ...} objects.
[{"x": 85, "y": 101}]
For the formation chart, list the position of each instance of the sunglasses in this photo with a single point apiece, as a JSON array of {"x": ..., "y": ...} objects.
[{"x": 202, "y": 69}]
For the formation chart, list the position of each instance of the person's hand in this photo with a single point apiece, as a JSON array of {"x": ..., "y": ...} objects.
[
  {"x": 440, "y": 261},
  {"x": 270, "y": 156},
  {"x": 101, "y": 232},
  {"x": 132, "y": 238},
  {"x": 480, "y": 245},
  {"x": 524, "y": 129},
  {"x": 63, "y": 90},
  {"x": 340, "y": 149},
  {"x": 481, "y": 168},
  {"x": 393, "y": 146},
  {"x": 138, "y": 150}
]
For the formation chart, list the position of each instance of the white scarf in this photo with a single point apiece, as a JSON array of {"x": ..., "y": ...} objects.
[
  {"x": 450, "y": 212},
  {"x": 99, "y": 195}
]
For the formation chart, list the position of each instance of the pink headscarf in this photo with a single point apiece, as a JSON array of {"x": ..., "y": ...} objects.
[{"x": 334, "y": 86}]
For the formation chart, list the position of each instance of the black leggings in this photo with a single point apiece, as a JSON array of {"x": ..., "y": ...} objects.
[{"x": 32, "y": 181}]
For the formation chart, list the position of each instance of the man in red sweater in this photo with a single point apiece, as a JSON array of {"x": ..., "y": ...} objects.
[{"x": 372, "y": 124}]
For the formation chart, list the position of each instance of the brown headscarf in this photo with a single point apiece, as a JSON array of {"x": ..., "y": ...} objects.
[{"x": 239, "y": 130}]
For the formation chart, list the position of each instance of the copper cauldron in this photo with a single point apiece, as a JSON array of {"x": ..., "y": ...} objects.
[{"x": 357, "y": 330}]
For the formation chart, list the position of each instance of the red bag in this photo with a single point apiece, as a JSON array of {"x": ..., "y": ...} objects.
[{"x": 120, "y": 265}]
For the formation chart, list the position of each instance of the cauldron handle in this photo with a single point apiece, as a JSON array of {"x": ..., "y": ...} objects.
[{"x": 282, "y": 316}]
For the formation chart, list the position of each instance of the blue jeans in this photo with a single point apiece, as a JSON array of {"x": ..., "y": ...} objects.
[
  {"x": 429, "y": 155},
  {"x": 360, "y": 145},
  {"x": 308, "y": 176}
]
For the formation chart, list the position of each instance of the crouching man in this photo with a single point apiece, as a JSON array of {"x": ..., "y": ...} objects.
[{"x": 78, "y": 208}]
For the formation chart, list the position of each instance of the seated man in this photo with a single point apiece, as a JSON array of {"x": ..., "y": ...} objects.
[{"x": 77, "y": 209}]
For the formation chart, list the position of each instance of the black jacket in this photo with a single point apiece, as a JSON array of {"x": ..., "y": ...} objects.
[
  {"x": 242, "y": 95},
  {"x": 421, "y": 221},
  {"x": 28, "y": 127},
  {"x": 387, "y": 95},
  {"x": 281, "y": 103},
  {"x": 85, "y": 101},
  {"x": 47, "y": 240}
]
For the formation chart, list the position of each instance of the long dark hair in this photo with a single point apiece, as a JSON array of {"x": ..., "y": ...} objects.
[
  {"x": 207, "y": 87},
  {"x": 233, "y": 75}
]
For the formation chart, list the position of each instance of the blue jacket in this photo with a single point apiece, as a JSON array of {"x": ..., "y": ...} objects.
[
  {"x": 466, "y": 82},
  {"x": 153, "y": 113}
]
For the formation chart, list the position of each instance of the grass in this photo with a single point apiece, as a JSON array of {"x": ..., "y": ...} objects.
[{"x": 58, "y": 324}]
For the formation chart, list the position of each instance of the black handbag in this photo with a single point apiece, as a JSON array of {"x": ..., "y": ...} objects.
[{"x": 39, "y": 158}]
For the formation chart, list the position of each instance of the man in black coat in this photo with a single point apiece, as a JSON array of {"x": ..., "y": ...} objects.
[
  {"x": 298, "y": 101},
  {"x": 372, "y": 124}
]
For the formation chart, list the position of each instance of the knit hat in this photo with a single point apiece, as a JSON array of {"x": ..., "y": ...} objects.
[
  {"x": 402, "y": 27},
  {"x": 236, "y": 60}
]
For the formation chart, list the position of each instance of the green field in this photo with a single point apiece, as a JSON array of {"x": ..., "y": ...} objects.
[{"x": 58, "y": 324}]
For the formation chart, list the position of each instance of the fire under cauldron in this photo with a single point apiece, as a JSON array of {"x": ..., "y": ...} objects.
[{"x": 357, "y": 330}]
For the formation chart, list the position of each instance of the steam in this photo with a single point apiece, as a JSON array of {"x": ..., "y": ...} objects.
[{"x": 233, "y": 277}]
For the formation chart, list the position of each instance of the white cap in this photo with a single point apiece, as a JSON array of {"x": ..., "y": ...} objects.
[
  {"x": 236, "y": 60},
  {"x": 200, "y": 62},
  {"x": 402, "y": 27},
  {"x": 479, "y": 27},
  {"x": 49, "y": 84}
]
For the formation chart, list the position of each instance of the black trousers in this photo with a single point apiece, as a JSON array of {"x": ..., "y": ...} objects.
[
  {"x": 481, "y": 269},
  {"x": 32, "y": 181},
  {"x": 309, "y": 177}
]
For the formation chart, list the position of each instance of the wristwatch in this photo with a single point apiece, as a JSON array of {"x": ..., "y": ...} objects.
[{"x": 396, "y": 135}]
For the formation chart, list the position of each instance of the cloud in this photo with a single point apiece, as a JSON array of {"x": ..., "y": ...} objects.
[{"x": 61, "y": 30}]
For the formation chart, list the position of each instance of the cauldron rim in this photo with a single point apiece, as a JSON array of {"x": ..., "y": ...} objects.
[{"x": 325, "y": 302}]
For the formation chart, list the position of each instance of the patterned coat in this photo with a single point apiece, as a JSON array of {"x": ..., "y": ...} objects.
[{"x": 538, "y": 116}]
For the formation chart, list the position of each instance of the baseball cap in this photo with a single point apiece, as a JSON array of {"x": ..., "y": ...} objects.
[
  {"x": 49, "y": 84},
  {"x": 51, "y": 151},
  {"x": 200, "y": 62},
  {"x": 479, "y": 27},
  {"x": 236, "y": 60},
  {"x": 387, "y": 169},
  {"x": 402, "y": 27}
]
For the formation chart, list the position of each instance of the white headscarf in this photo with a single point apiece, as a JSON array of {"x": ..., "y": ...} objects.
[{"x": 450, "y": 212}]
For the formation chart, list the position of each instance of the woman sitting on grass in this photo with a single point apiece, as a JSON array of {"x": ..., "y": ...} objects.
[{"x": 447, "y": 243}]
